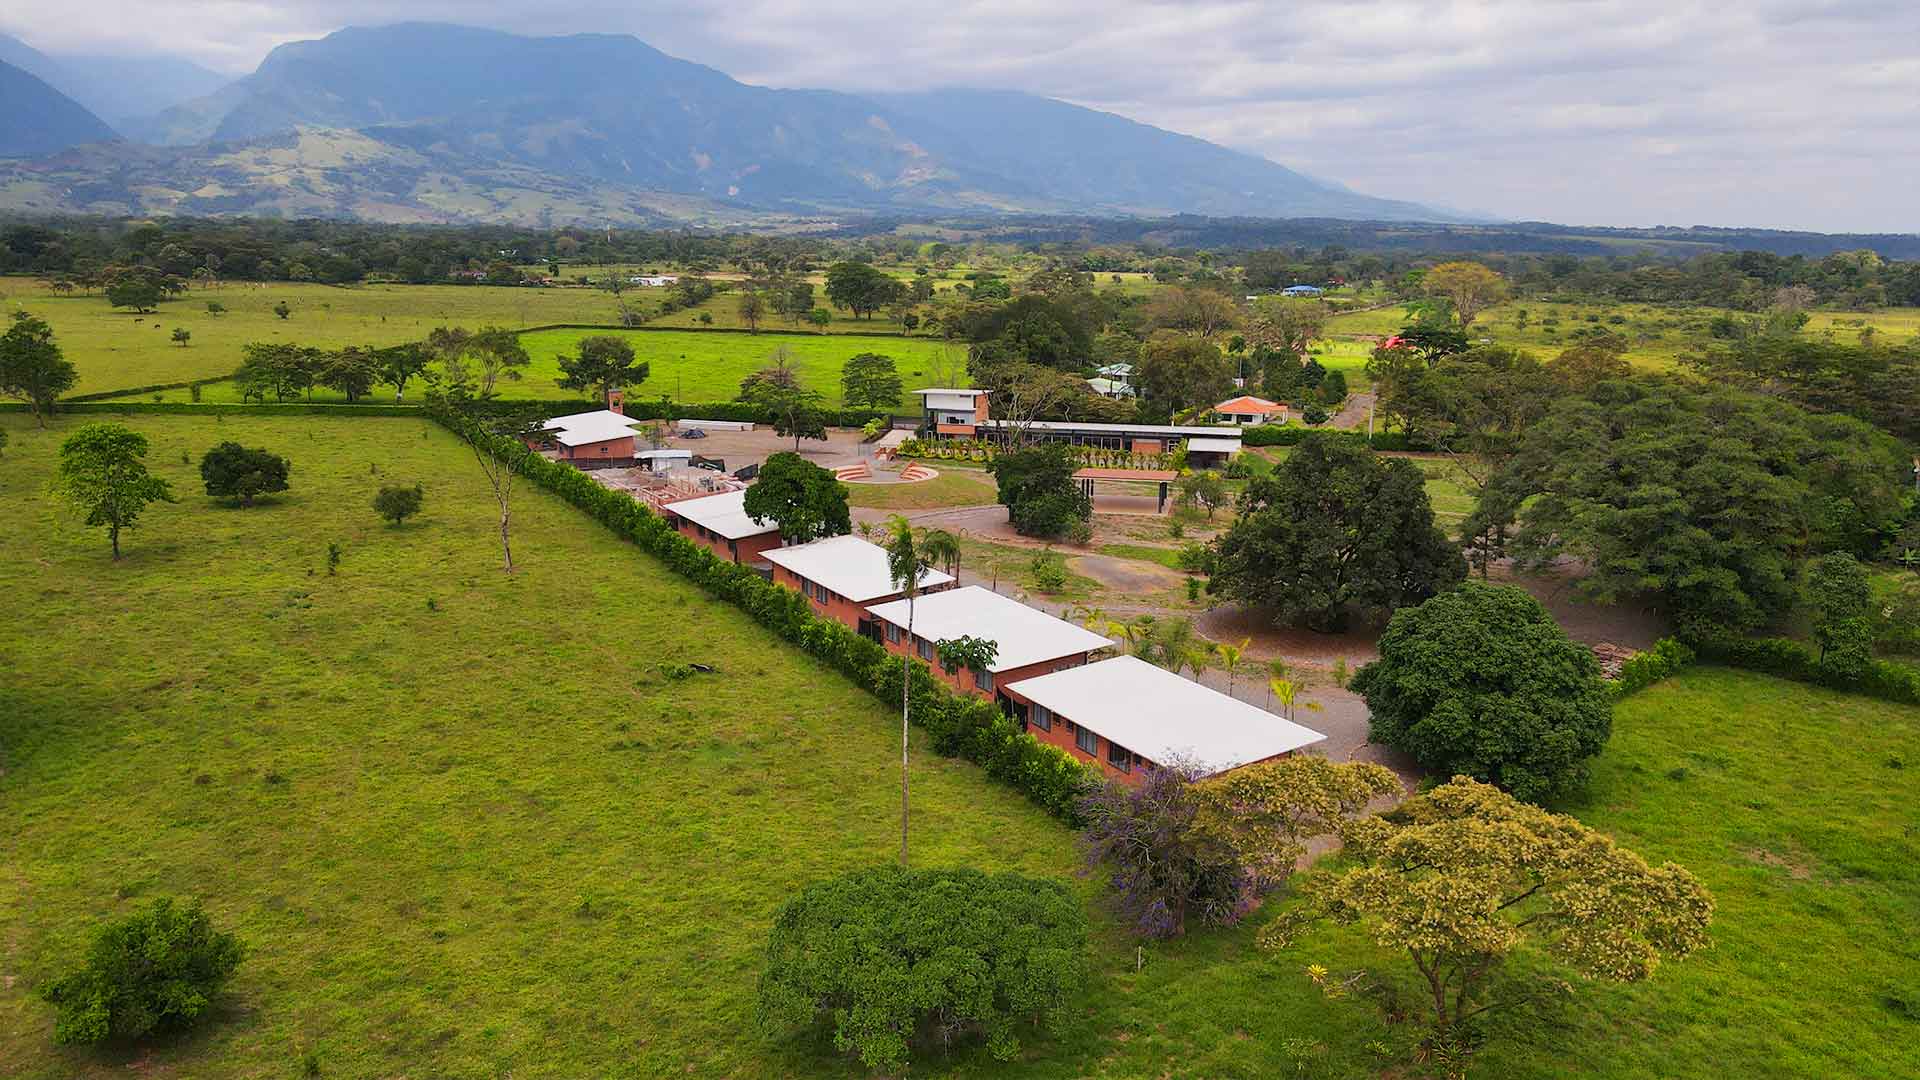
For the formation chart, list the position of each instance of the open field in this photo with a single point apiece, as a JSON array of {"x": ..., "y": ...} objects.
[
  {"x": 953, "y": 487},
  {"x": 487, "y": 836},
  {"x": 115, "y": 349}
]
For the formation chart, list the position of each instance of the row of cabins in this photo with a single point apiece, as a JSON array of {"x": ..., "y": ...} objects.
[{"x": 1121, "y": 713}]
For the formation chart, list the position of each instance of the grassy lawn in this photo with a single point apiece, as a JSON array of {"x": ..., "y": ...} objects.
[
  {"x": 114, "y": 348},
  {"x": 953, "y": 487},
  {"x": 486, "y": 836}
]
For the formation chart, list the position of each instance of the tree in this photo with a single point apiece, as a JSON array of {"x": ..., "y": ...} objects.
[
  {"x": 1287, "y": 325},
  {"x": 398, "y": 364},
  {"x": 1037, "y": 487},
  {"x": 860, "y": 288},
  {"x": 966, "y": 651},
  {"x": 283, "y": 370},
  {"x": 156, "y": 969},
  {"x": 1178, "y": 848},
  {"x": 870, "y": 380},
  {"x": 352, "y": 371},
  {"x": 1470, "y": 287},
  {"x": 1205, "y": 312},
  {"x": 1480, "y": 681},
  {"x": 795, "y": 410},
  {"x": 907, "y": 563},
  {"x": 498, "y": 354},
  {"x": 1580, "y": 368},
  {"x": 600, "y": 364},
  {"x": 397, "y": 503},
  {"x": 1334, "y": 529},
  {"x": 819, "y": 318},
  {"x": 32, "y": 367},
  {"x": 890, "y": 954},
  {"x": 753, "y": 308},
  {"x": 104, "y": 473},
  {"x": 281, "y": 309},
  {"x": 1205, "y": 489},
  {"x": 942, "y": 547},
  {"x": 137, "y": 292},
  {"x": 1180, "y": 373},
  {"x": 499, "y": 444},
  {"x": 806, "y": 501},
  {"x": 1465, "y": 876},
  {"x": 232, "y": 471},
  {"x": 1839, "y": 594},
  {"x": 181, "y": 336},
  {"x": 216, "y": 309}
]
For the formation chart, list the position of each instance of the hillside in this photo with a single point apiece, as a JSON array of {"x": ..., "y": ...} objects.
[
  {"x": 38, "y": 119},
  {"x": 461, "y": 124}
]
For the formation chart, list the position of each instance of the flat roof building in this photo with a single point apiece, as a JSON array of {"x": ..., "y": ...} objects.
[
  {"x": 599, "y": 439},
  {"x": 1127, "y": 714},
  {"x": 950, "y": 411},
  {"x": 1030, "y": 642},
  {"x": 842, "y": 575}
]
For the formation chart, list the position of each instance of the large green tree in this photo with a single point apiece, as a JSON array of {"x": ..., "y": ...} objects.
[
  {"x": 1335, "y": 529},
  {"x": 156, "y": 969},
  {"x": 232, "y": 471},
  {"x": 1037, "y": 487},
  {"x": 1178, "y": 372},
  {"x": 1705, "y": 499},
  {"x": 860, "y": 288},
  {"x": 1481, "y": 681},
  {"x": 870, "y": 381},
  {"x": 600, "y": 364},
  {"x": 103, "y": 472},
  {"x": 32, "y": 367},
  {"x": 803, "y": 499}
]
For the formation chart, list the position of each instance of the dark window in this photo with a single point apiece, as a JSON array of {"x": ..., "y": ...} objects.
[
  {"x": 1087, "y": 741},
  {"x": 893, "y": 634},
  {"x": 1042, "y": 718},
  {"x": 924, "y": 648},
  {"x": 982, "y": 680},
  {"x": 1119, "y": 757}
]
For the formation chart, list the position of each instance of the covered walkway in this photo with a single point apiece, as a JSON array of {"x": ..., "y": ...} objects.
[{"x": 1086, "y": 478}]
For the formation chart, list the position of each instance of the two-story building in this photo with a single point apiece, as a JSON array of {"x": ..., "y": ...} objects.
[
  {"x": 721, "y": 523},
  {"x": 1127, "y": 715},
  {"x": 952, "y": 413},
  {"x": 842, "y": 575},
  {"x": 1030, "y": 642}
]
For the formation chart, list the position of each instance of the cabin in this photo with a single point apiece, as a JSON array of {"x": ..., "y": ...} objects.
[
  {"x": 1111, "y": 388},
  {"x": 1127, "y": 716},
  {"x": 721, "y": 524},
  {"x": 653, "y": 281},
  {"x": 952, "y": 412},
  {"x": 1302, "y": 290},
  {"x": 1249, "y": 411},
  {"x": 600, "y": 439},
  {"x": 842, "y": 575},
  {"x": 1030, "y": 641}
]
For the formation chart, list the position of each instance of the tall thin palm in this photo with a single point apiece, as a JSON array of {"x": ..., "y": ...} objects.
[
  {"x": 1232, "y": 657},
  {"x": 906, "y": 561},
  {"x": 941, "y": 546}
]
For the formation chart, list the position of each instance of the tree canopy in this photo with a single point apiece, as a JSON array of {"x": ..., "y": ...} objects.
[
  {"x": 1178, "y": 372},
  {"x": 232, "y": 471},
  {"x": 32, "y": 367},
  {"x": 600, "y": 364},
  {"x": 1334, "y": 529},
  {"x": 860, "y": 288},
  {"x": 1470, "y": 287},
  {"x": 103, "y": 472},
  {"x": 156, "y": 969},
  {"x": 803, "y": 499},
  {"x": 1036, "y": 486},
  {"x": 870, "y": 380},
  {"x": 1481, "y": 681}
]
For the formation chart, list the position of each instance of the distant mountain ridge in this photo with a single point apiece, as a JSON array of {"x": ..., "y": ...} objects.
[
  {"x": 114, "y": 87},
  {"x": 37, "y": 119},
  {"x": 452, "y": 123}
]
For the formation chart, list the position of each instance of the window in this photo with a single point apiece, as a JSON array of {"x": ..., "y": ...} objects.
[
  {"x": 924, "y": 648},
  {"x": 1087, "y": 741},
  {"x": 1119, "y": 757},
  {"x": 1042, "y": 717},
  {"x": 893, "y": 634},
  {"x": 982, "y": 680}
]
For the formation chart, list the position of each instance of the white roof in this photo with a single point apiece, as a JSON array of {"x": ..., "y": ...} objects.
[
  {"x": 1110, "y": 386},
  {"x": 1215, "y": 446},
  {"x": 1163, "y": 717},
  {"x": 725, "y": 513},
  {"x": 849, "y": 566},
  {"x": 601, "y": 425},
  {"x": 663, "y": 455},
  {"x": 1150, "y": 430},
  {"x": 942, "y": 390},
  {"x": 1025, "y": 635}
]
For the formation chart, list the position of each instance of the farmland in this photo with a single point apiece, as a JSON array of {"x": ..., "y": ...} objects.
[{"x": 469, "y": 826}]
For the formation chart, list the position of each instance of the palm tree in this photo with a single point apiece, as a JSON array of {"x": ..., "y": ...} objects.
[
  {"x": 1199, "y": 656},
  {"x": 906, "y": 562},
  {"x": 941, "y": 546},
  {"x": 1231, "y": 659}
]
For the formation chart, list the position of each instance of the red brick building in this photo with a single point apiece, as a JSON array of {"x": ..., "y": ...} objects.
[
  {"x": 720, "y": 522},
  {"x": 842, "y": 575},
  {"x": 594, "y": 440},
  {"x": 1030, "y": 641},
  {"x": 1127, "y": 715}
]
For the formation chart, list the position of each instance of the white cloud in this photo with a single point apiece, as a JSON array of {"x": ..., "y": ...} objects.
[{"x": 1796, "y": 113}]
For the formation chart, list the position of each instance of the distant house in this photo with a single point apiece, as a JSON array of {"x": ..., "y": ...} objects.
[
  {"x": 1030, "y": 642},
  {"x": 1251, "y": 411},
  {"x": 720, "y": 522},
  {"x": 1111, "y": 388},
  {"x": 842, "y": 575},
  {"x": 599, "y": 439},
  {"x": 654, "y": 281},
  {"x": 1122, "y": 372},
  {"x": 1127, "y": 716},
  {"x": 1302, "y": 290}
]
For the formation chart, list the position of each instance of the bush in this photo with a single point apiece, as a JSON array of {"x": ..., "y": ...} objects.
[
  {"x": 156, "y": 969},
  {"x": 1642, "y": 670},
  {"x": 1049, "y": 571},
  {"x": 895, "y": 955},
  {"x": 1314, "y": 414},
  {"x": 397, "y": 503},
  {"x": 232, "y": 471}
]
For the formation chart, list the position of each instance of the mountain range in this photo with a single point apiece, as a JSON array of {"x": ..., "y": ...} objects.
[
  {"x": 435, "y": 123},
  {"x": 115, "y": 87}
]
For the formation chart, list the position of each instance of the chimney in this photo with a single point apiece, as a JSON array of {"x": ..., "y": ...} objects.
[{"x": 616, "y": 401}]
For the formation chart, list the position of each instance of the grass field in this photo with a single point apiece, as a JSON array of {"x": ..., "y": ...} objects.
[
  {"x": 115, "y": 349},
  {"x": 486, "y": 836},
  {"x": 953, "y": 487}
]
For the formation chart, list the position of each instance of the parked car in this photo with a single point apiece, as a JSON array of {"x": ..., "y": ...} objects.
[{"x": 692, "y": 433}]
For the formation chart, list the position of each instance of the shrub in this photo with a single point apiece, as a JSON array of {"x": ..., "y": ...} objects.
[
  {"x": 892, "y": 955},
  {"x": 397, "y": 502},
  {"x": 1642, "y": 670},
  {"x": 156, "y": 969},
  {"x": 232, "y": 471},
  {"x": 1049, "y": 571}
]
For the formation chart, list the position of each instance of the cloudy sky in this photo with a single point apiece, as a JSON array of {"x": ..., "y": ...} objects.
[{"x": 1800, "y": 114}]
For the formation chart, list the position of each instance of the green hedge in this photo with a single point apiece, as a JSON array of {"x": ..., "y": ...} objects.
[
  {"x": 643, "y": 410},
  {"x": 1642, "y": 670},
  {"x": 1791, "y": 659},
  {"x": 194, "y": 408},
  {"x": 1288, "y": 435},
  {"x": 152, "y": 388},
  {"x": 964, "y": 727}
]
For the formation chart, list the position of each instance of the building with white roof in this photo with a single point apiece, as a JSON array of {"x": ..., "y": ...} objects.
[
  {"x": 721, "y": 522},
  {"x": 1030, "y": 642},
  {"x": 1127, "y": 714},
  {"x": 948, "y": 411},
  {"x": 841, "y": 575},
  {"x": 594, "y": 440}
]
